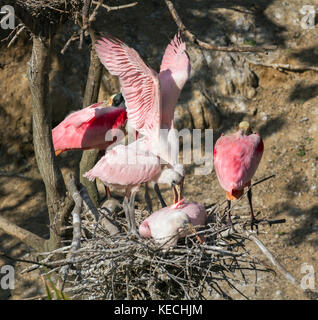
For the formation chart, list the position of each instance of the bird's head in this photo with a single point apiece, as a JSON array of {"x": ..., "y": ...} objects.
[
  {"x": 174, "y": 177},
  {"x": 245, "y": 128},
  {"x": 167, "y": 231},
  {"x": 117, "y": 100},
  {"x": 144, "y": 229}
]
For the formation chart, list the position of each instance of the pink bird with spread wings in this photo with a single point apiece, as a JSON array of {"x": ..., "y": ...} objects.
[
  {"x": 87, "y": 128},
  {"x": 140, "y": 86},
  {"x": 236, "y": 159}
]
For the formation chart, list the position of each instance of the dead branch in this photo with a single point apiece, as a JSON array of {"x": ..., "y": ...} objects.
[
  {"x": 27, "y": 237},
  {"x": 74, "y": 37},
  {"x": 271, "y": 258},
  {"x": 108, "y": 224},
  {"x": 7, "y": 256},
  {"x": 76, "y": 213},
  {"x": 283, "y": 67},
  {"x": 109, "y": 8},
  {"x": 94, "y": 14},
  {"x": 17, "y": 30},
  {"x": 206, "y": 45}
]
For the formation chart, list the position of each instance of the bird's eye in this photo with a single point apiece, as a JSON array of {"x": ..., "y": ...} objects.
[
  {"x": 118, "y": 99},
  {"x": 174, "y": 182}
]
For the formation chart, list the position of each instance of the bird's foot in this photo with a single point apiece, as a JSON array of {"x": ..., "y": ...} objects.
[
  {"x": 254, "y": 222},
  {"x": 230, "y": 224},
  {"x": 133, "y": 233}
]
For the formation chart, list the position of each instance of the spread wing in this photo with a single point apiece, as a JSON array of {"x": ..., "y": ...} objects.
[
  {"x": 139, "y": 83},
  {"x": 174, "y": 73},
  {"x": 173, "y": 51}
]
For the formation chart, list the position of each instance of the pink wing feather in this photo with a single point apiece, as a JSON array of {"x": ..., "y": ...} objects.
[
  {"x": 139, "y": 83},
  {"x": 176, "y": 47},
  {"x": 86, "y": 128},
  {"x": 174, "y": 72},
  {"x": 114, "y": 168}
]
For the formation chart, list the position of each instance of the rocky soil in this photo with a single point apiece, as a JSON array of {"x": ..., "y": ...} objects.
[{"x": 281, "y": 105}]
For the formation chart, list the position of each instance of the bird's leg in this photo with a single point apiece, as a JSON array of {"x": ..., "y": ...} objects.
[
  {"x": 253, "y": 220},
  {"x": 157, "y": 190},
  {"x": 108, "y": 195},
  {"x": 133, "y": 228},
  {"x": 126, "y": 209},
  {"x": 147, "y": 198},
  {"x": 229, "y": 220},
  {"x": 107, "y": 190}
]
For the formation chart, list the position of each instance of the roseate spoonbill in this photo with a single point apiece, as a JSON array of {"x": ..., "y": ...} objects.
[
  {"x": 174, "y": 72},
  {"x": 115, "y": 170},
  {"x": 236, "y": 158},
  {"x": 141, "y": 87},
  {"x": 167, "y": 225},
  {"x": 86, "y": 128}
]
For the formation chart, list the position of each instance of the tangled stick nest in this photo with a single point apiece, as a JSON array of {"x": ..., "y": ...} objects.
[
  {"x": 99, "y": 265},
  {"x": 121, "y": 267},
  {"x": 51, "y": 9}
]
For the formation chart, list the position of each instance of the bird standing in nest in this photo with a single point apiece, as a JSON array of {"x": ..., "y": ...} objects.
[{"x": 236, "y": 159}]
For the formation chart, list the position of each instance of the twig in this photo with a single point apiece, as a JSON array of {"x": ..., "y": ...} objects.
[
  {"x": 109, "y": 8},
  {"x": 5, "y": 255},
  {"x": 74, "y": 37},
  {"x": 16, "y": 35},
  {"x": 282, "y": 67},
  {"x": 93, "y": 15},
  {"x": 209, "y": 46},
  {"x": 12, "y": 32},
  {"x": 85, "y": 21},
  {"x": 271, "y": 258},
  {"x": 109, "y": 225},
  {"x": 76, "y": 213}
]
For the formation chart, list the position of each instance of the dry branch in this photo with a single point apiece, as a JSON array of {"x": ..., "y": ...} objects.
[
  {"x": 25, "y": 236},
  {"x": 206, "y": 45},
  {"x": 76, "y": 214},
  {"x": 283, "y": 67},
  {"x": 16, "y": 31},
  {"x": 113, "y": 8},
  {"x": 108, "y": 224},
  {"x": 271, "y": 258}
]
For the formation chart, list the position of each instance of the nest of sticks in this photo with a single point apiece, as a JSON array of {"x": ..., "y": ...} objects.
[
  {"x": 51, "y": 10},
  {"x": 103, "y": 262}
]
